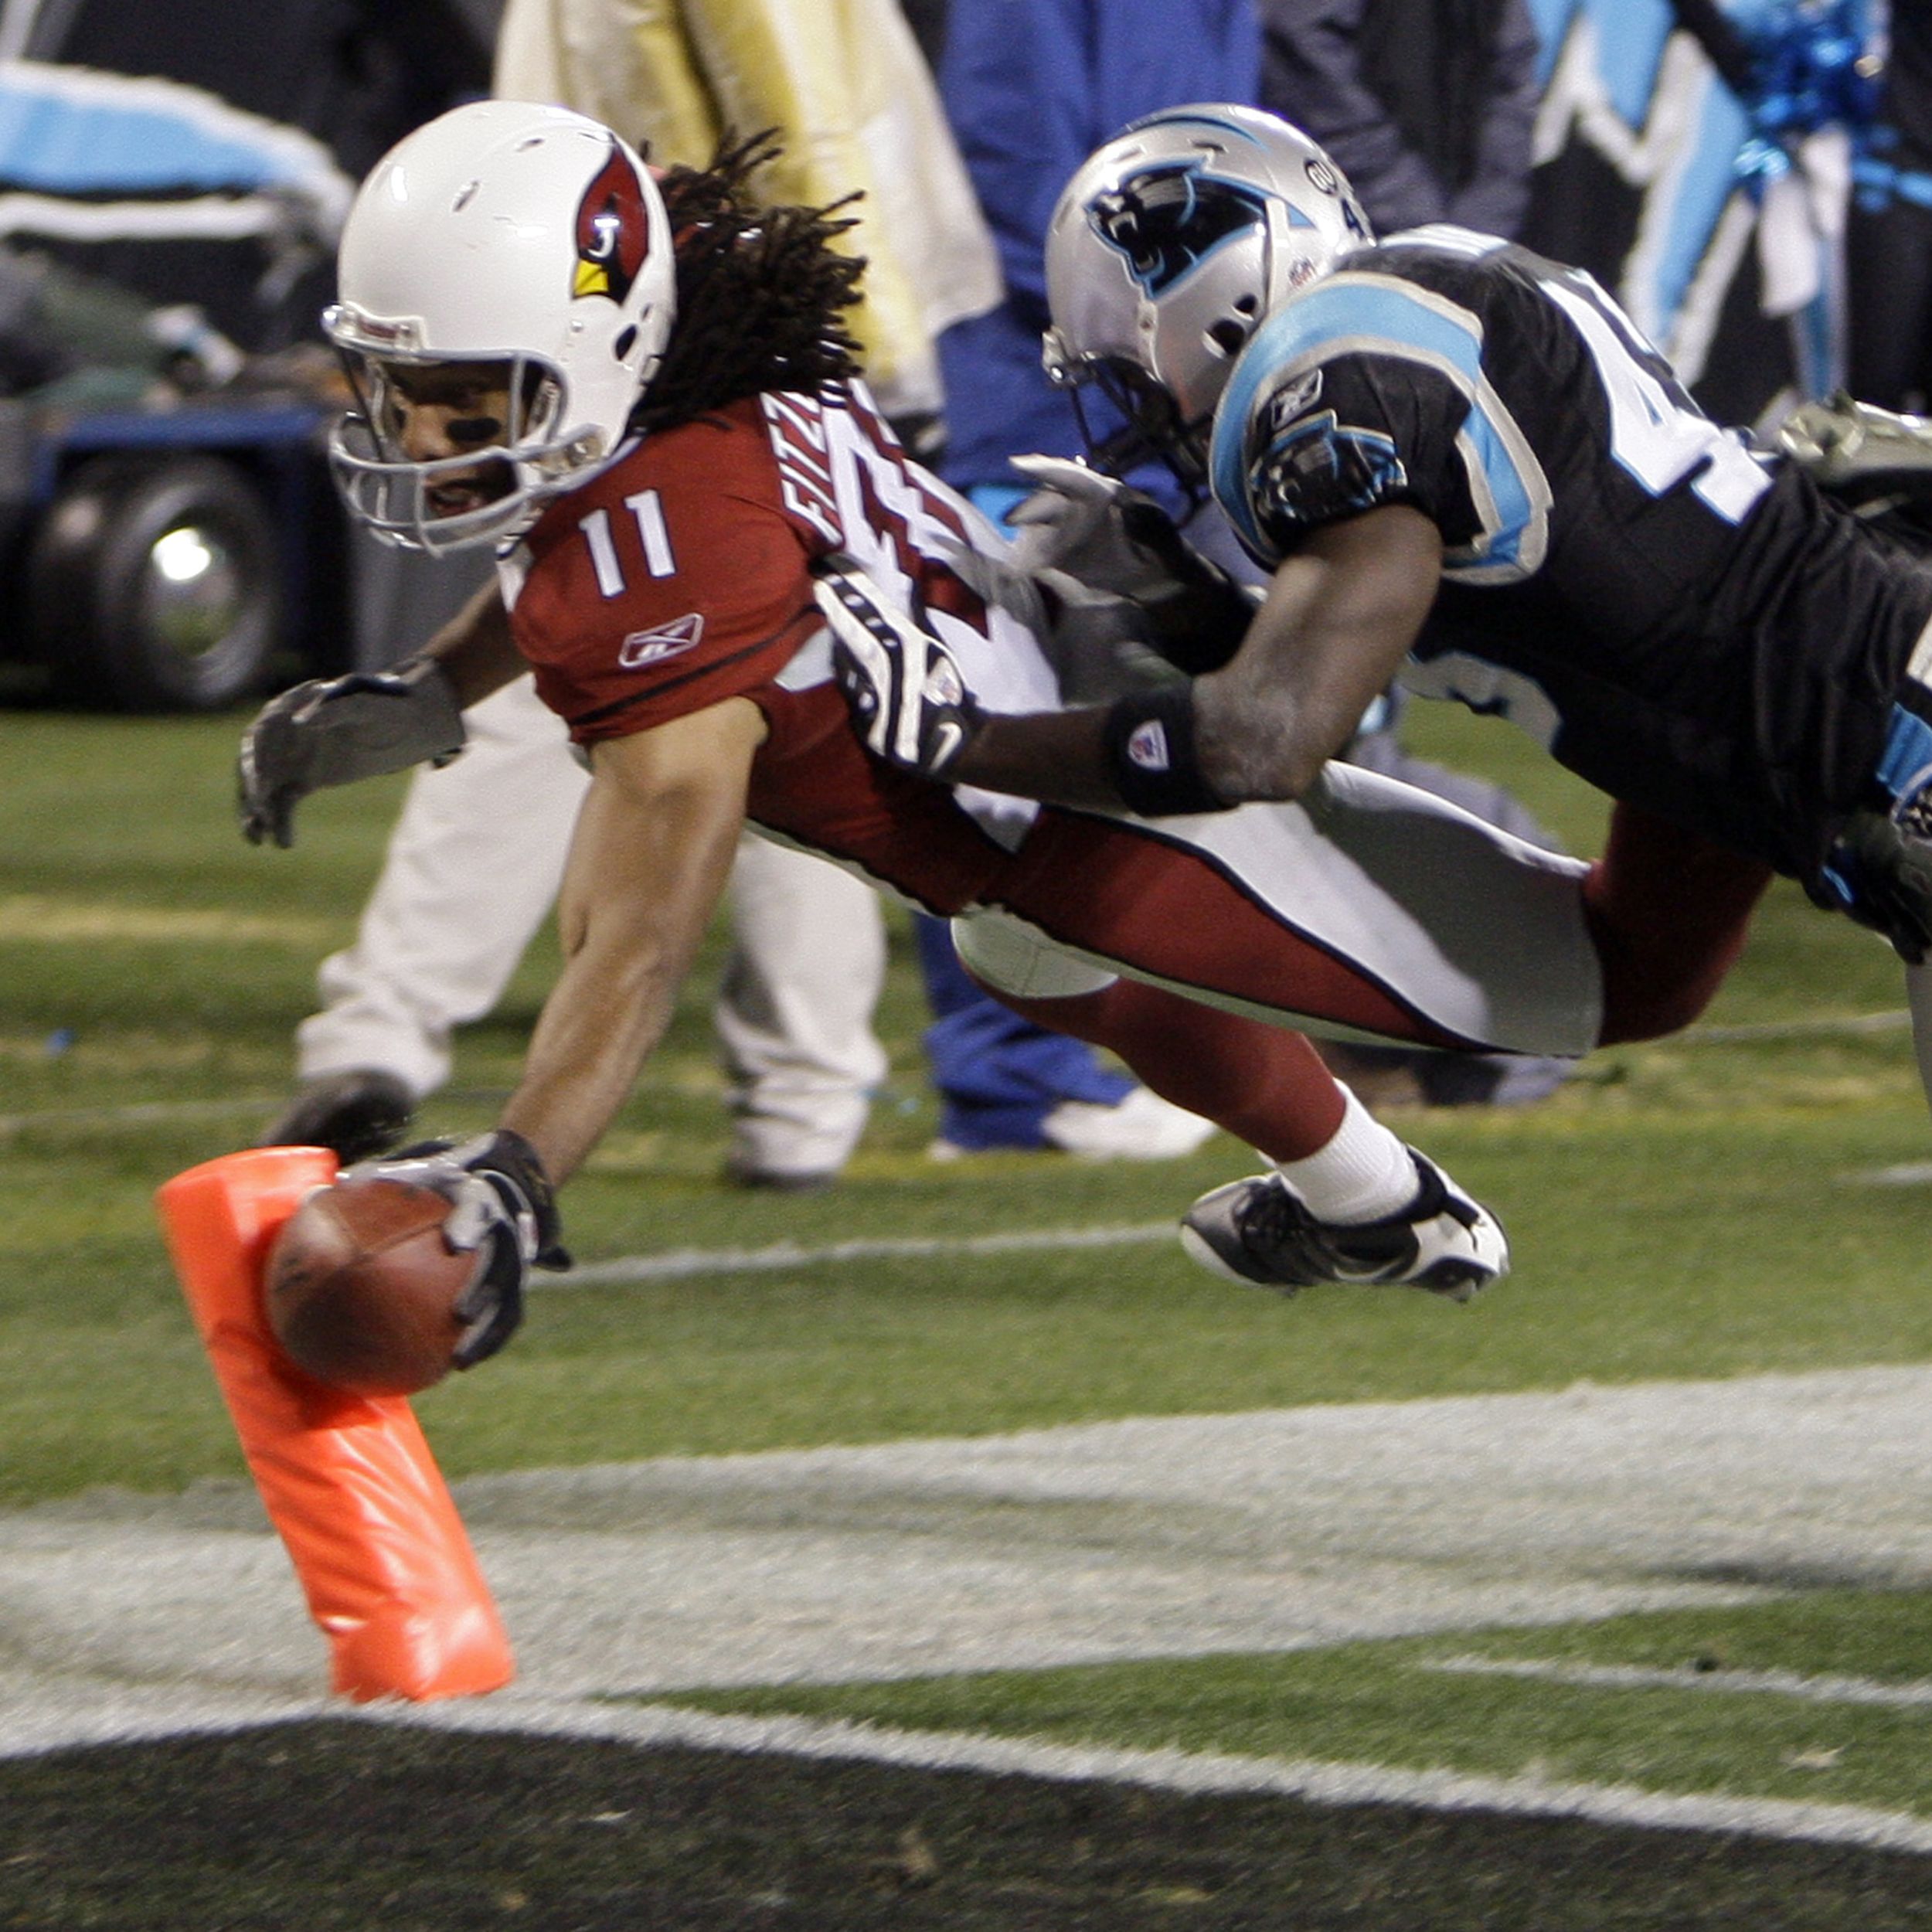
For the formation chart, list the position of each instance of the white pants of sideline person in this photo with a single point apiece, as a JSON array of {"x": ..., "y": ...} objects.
[{"x": 472, "y": 867}]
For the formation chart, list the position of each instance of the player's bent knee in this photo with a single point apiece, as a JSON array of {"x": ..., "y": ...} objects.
[{"x": 1011, "y": 957}]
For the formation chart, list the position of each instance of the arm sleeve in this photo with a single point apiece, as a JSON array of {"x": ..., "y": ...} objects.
[
  {"x": 1359, "y": 432},
  {"x": 1018, "y": 82},
  {"x": 1033, "y": 86}
]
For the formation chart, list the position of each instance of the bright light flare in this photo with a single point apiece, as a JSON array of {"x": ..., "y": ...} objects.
[{"x": 182, "y": 556}]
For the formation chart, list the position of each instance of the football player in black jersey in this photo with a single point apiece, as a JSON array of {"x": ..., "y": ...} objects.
[{"x": 1462, "y": 464}]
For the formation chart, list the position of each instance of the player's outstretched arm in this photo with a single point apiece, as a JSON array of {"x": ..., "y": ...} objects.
[
  {"x": 1339, "y": 618},
  {"x": 1341, "y": 614},
  {"x": 651, "y": 852}
]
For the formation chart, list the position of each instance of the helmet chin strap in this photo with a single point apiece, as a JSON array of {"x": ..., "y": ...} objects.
[{"x": 1175, "y": 445}]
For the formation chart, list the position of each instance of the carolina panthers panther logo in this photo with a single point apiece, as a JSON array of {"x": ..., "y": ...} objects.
[
  {"x": 613, "y": 231},
  {"x": 1317, "y": 470},
  {"x": 1164, "y": 219}
]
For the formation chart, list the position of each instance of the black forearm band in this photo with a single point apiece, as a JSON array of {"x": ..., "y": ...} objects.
[{"x": 1150, "y": 756}]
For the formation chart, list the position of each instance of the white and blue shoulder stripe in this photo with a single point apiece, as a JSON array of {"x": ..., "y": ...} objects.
[{"x": 1362, "y": 311}]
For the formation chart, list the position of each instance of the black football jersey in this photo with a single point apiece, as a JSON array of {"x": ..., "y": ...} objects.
[{"x": 1684, "y": 623}]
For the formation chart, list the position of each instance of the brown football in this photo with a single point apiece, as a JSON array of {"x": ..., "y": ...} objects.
[{"x": 361, "y": 1291}]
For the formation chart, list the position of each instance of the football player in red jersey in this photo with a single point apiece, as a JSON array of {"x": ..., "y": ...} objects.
[{"x": 646, "y": 401}]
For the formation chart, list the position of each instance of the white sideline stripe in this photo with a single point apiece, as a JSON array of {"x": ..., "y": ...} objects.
[
  {"x": 1908, "y": 1174},
  {"x": 680, "y": 1262},
  {"x": 1189, "y": 1773},
  {"x": 141, "y": 1114},
  {"x": 147, "y": 1714},
  {"x": 1204, "y": 1774},
  {"x": 1774, "y": 1683},
  {"x": 1823, "y": 1026}
]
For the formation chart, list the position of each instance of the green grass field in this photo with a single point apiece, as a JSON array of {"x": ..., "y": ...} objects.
[{"x": 1701, "y": 1208}]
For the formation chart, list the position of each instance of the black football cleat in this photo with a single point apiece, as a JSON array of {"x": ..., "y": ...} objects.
[
  {"x": 363, "y": 1112},
  {"x": 1259, "y": 1230}
]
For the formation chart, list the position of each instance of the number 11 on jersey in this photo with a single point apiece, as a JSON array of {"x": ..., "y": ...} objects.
[{"x": 653, "y": 535}]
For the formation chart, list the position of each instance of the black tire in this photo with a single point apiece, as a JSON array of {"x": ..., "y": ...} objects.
[{"x": 154, "y": 586}]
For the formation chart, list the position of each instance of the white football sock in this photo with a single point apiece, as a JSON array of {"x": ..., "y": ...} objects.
[{"x": 1362, "y": 1174}]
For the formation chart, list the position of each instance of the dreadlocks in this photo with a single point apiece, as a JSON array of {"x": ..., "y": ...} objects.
[{"x": 762, "y": 296}]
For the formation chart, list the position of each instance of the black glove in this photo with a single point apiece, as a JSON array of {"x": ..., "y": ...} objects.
[
  {"x": 502, "y": 1203},
  {"x": 1113, "y": 537},
  {"x": 1889, "y": 872},
  {"x": 902, "y": 684},
  {"x": 333, "y": 732}
]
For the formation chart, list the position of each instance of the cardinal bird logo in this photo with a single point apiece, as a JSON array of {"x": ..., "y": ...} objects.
[{"x": 613, "y": 231}]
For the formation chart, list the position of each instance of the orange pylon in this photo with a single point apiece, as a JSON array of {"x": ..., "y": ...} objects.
[{"x": 348, "y": 1481}]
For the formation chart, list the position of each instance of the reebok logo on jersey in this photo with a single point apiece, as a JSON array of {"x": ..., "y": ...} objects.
[
  {"x": 1292, "y": 400},
  {"x": 668, "y": 641},
  {"x": 1147, "y": 747}
]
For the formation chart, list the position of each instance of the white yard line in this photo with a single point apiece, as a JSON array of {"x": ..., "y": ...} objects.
[
  {"x": 679, "y": 1262},
  {"x": 1147, "y": 1538},
  {"x": 1773, "y": 1683},
  {"x": 1907, "y": 1173},
  {"x": 1203, "y": 1774},
  {"x": 141, "y": 1114},
  {"x": 1814, "y": 1027},
  {"x": 146, "y": 1113}
]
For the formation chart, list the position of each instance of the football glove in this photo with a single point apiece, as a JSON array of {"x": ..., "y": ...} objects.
[
  {"x": 1888, "y": 870},
  {"x": 1114, "y": 538},
  {"x": 1857, "y": 449},
  {"x": 334, "y": 731},
  {"x": 501, "y": 1208},
  {"x": 903, "y": 686},
  {"x": 1110, "y": 536}
]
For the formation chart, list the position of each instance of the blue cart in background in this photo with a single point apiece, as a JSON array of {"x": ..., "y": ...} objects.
[{"x": 169, "y": 544}]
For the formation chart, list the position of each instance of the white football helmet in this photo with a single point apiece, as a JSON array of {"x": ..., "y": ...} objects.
[
  {"x": 499, "y": 232},
  {"x": 1170, "y": 246}
]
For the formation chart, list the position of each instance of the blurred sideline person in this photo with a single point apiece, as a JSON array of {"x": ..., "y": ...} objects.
[
  {"x": 1462, "y": 463},
  {"x": 1888, "y": 234},
  {"x": 1029, "y": 89},
  {"x": 667, "y": 442},
  {"x": 1428, "y": 106},
  {"x": 477, "y": 855}
]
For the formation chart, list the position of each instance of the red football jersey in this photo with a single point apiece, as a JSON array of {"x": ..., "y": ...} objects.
[
  {"x": 672, "y": 580},
  {"x": 680, "y": 576}
]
